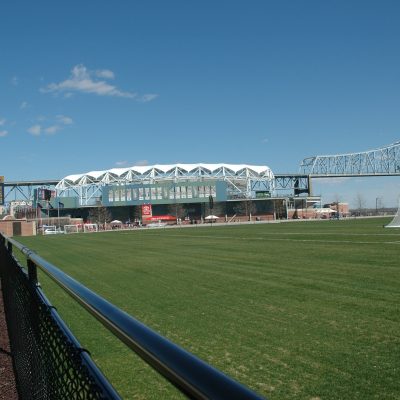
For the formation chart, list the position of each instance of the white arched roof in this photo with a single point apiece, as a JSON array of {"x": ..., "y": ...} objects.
[{"x": 172, "y": 170}]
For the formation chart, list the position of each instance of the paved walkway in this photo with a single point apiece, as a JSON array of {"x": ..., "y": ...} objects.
[{"x": 8, "y": 389}]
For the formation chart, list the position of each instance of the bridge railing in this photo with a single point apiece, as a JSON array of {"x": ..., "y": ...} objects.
[{"x": 50, "y": 362}]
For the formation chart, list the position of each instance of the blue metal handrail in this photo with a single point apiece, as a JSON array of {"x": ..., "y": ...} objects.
[{"x": 189, "y": 374}]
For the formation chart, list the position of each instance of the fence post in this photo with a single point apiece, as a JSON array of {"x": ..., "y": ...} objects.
[{"x": 32, "y": 272}]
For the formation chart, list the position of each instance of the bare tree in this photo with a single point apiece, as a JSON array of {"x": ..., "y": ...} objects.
[
  {"x": 246, "y": 207},
  {"x": 336, "y": 198},
  {"x": 336, "y": 202},
  {"x": 137, "y": 213},
  {"x": 379, "y": 205},
  {"x": 177, "y": 209},
  {"x": 360, "y": 202},
  {"x": 100, "y": 215}
]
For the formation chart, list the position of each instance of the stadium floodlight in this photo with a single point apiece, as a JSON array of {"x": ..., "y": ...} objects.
[
  {"x": 395, "y": 222},
  {"x": 71, "y": 229},
  {"x": 87, "y": 228}
]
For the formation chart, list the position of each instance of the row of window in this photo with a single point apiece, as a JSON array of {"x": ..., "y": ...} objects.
[{"x": 161, "y": 193}]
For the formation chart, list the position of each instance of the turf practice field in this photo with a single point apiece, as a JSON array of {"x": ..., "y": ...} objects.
[{"x": 301, "y": 310}]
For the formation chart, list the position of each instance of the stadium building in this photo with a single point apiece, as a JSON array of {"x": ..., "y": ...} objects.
[{"x": 182, "y": 191}]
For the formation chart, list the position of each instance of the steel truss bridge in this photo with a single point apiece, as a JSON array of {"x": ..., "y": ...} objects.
[
  {"x": 23, "y": 190},
  {"x": 384, "y": 161}
]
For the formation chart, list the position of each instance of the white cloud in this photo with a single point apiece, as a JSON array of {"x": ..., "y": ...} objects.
[
  {"x": 50, "y": 125},
  {"x": 2, "y": 121},
  {"x": 121, "y": 163},
  {"x": 14, "y": 81},
  {"x": 51, "y": 130},
  {"x": 64, "y": 119},
  {"x": 141, "y": 162},
  {"x": 130, "y": 163},
  {"x": 35, "y": 130},
  {"x": 24, "y": 105},
  {"x": 105, "y": 73},
  {"x": 147, "y": 97},
  {"x": 3, "y": 133},
  {"x": 82, "y": 80},
  {"x": 265, "y": 140}
]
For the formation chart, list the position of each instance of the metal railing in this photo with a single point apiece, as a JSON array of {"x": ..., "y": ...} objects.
[
  {"x": 48, "y": 361},
  {"x": 192, "y": 376}
]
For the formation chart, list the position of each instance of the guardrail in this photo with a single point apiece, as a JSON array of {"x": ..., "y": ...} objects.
[
  {"x": 192, "y": 376},
  {"x": 48, "y": 360}
]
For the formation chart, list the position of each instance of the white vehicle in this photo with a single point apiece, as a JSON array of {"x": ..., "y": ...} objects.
[
  {"x": 52, "y": 230},
  {"x": 156, "y": 225}
]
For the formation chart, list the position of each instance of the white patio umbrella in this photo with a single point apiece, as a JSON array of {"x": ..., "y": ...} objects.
[{"x": 325, "y": 210}]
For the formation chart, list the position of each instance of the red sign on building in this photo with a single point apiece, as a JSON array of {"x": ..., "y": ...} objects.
[{"x": 146, "y": 211}]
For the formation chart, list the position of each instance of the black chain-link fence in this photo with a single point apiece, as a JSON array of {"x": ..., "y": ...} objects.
[{"x": 48, "y": 361}]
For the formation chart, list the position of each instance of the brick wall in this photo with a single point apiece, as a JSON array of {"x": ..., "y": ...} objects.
[{"x": 27, "y": 228}]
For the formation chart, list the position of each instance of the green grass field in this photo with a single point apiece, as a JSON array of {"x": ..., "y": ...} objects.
[{"x": 304, "y": 310}]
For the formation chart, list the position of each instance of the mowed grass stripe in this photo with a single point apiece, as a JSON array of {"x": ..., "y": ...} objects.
[
  {"x": 293, "y": 239},
  {"x": 292, "y": 320}
]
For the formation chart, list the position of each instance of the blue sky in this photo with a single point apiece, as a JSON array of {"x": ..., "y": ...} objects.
[{"x": 96, "y": 85}]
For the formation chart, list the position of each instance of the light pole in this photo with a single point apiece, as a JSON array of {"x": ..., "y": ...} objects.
[
  {"x": 58, "y": 214},
  {"x": 376, "y": 205},
  {"x": 287, "y": 208}
]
